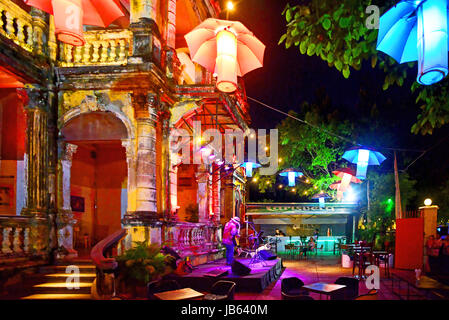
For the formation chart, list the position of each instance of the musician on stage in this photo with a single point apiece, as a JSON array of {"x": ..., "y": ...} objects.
[{"x": 231, "y": 234}]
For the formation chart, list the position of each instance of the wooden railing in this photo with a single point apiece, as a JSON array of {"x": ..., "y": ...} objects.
[
  {"x": 14, "y": 237},
  {"x": 17, "y": 25},
  {"x": 101, "y": 255},
  {"x": 102, "y": 48}
]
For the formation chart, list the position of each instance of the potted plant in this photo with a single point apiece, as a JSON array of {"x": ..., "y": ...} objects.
[{"x": 139, "y": 265}]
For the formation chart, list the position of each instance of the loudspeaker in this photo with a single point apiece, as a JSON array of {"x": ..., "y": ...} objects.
[
  {"x": 239, "y": 268},
  {"x": 267, "y": 255}
]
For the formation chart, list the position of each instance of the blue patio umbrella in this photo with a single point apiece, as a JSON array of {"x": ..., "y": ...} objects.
[
  {"x": 291, "y": 174},
  {"x": 322, "y": 196},
  {"x": 417, "y": 31},
  {"x": 249, "y": 166},
  {"x": 363, "y": 157}
]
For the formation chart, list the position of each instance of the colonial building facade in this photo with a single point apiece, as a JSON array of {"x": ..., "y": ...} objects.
[{"x": 85, "y": 134}]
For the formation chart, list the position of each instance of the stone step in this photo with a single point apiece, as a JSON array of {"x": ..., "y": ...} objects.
[
  {"x": 83, "y": 268},
  {"x": 62, "y": 277},
  {"x": 62, "y": 288},
  {"x": 58, "y": 296}
]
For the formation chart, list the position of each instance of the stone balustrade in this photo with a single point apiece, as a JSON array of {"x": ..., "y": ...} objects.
[
  {"x": 190, "y": 238},
  {"x": 19, "y": 26},
  {"x": 102, "y": 48},
  {"x": 14, "y": 236}
]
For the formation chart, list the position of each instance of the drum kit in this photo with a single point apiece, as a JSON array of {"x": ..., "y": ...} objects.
[{"x": 255, "y": 246}]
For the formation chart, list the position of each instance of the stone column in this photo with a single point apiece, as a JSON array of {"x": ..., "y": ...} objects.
[
  {"x": 146, "y": 35},
  {"x": 146, "y": 154},
  {"x": 202, "y": 177},
  {"x": 163, "y": 162},
  {"x": 36, "y": 107},
  {"x": 64, "y": 219},
  {"x": 143, "y": 222},
  {"x": 130, "y": 148},
  {"x": 143, "y": 9},
  {"x": 36, "y": 157}
]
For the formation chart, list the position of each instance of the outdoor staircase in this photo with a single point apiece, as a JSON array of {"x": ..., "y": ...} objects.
[{"x": 50, "y": 282}]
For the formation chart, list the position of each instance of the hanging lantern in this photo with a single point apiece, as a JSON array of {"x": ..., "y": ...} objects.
[
  {"x": 226, "y": 62},
  {"x": 363, "y": 157},
  {"x": 347, "y": 176},
  {"x": 249, "y": 166},
  {"x": 69, "y": 21},
  {"x": 291, "y": 174},
  {"x": 71, "y": 15},
  {"x": 416, "y": 30},
  {"x": 432, "y": 41},
  {"x": 322, "y": 196},
  {"x": 226, "y": 48}
]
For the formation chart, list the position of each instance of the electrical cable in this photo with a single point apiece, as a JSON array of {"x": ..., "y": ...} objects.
[{"x": 326, "y": 131}]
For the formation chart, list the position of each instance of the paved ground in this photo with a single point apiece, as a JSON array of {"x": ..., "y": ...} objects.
[{"x": 315, "y": 269}]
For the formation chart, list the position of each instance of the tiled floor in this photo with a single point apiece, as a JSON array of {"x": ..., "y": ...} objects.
[{"x": 315, "y": 269}]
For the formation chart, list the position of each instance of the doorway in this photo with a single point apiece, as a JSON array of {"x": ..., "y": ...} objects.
[{"x": 98, "y": 177}]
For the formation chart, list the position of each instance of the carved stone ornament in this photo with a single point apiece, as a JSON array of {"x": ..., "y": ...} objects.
[{"x": 91, "y": 104}]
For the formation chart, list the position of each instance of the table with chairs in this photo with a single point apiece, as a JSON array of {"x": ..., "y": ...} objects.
[{"x": 171, "y": 290}]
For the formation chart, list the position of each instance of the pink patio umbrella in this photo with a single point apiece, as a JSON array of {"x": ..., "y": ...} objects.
[
  {"x": 347, "y": 176},
  {"x": 226, "y": 48},
  {"x": 71, "y": 15}
]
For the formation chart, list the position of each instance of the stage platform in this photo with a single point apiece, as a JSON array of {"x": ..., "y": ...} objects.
[{"x": 262, "y": 274}]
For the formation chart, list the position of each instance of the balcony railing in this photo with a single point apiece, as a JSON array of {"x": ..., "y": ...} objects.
[
  {"x": 14, "y": 237},
  {"x": 102, "y": 48},
  {"x": 17, "y": 25}
]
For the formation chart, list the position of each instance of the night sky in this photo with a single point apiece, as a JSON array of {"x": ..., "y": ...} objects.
[{"x": 289, "y": 78}]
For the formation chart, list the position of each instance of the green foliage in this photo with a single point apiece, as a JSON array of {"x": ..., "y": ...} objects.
[
  {"x": 336, "y": 32},
  {"x": 142, "y": 263},
  {"x": 434, "y": 107},
  {"x": 377, "y": 222},
  {"x": 441, "y": 197},
  {"x": 314, "y": 152}
]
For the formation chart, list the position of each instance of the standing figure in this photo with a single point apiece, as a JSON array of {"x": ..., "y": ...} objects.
[{"x": 231, "y": 233}]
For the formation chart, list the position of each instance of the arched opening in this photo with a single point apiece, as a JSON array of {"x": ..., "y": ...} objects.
[
  {"x": 98, "y": 184},
  {"x": 12, "y": 150}
]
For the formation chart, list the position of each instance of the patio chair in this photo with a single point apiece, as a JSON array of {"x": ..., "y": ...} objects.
[
  {"x": 362, "y": 259},
  {"x": 221, "y": 290},
  {"x": 295, "y": 297},
  {"x": 371, "y": 295},
  {"x": 161, "y": 286},
  {"x": 289, "y": 249},
  {"x": 293, "y": 286},
  {"x": 350, "y": 292}
]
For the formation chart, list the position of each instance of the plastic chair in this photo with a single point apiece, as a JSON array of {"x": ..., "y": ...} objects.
[
  {"x": 293, "y": 286},
  {"x": 350, "y": 292},
  {"x": 161, "y": 286},
  {"x": 221, "y": 290}
]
